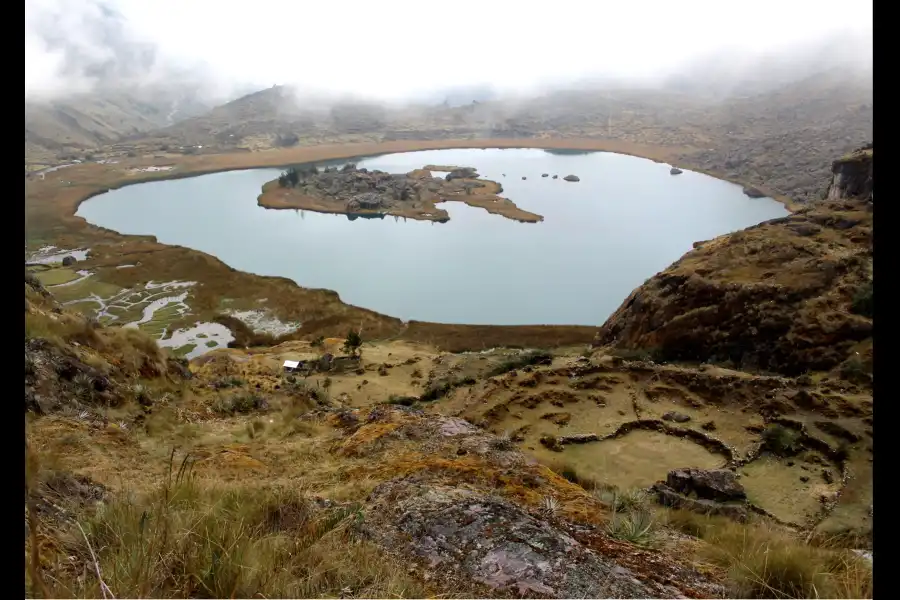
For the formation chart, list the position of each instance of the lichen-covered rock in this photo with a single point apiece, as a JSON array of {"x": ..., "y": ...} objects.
[{"x": 465, "y": 534}]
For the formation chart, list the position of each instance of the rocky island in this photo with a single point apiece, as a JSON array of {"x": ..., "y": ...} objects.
[{"x": 358, "y": 192}]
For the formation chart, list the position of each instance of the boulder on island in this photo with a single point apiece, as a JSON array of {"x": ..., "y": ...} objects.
[
  {"x": 675, "y": 171},
  {"x": 571, "y": 178},
  {"x": 752, "y": 192},
  {"x": 462, "y": 173}
]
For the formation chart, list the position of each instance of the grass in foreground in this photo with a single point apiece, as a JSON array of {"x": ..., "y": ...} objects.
[
  {"x": 763, "y": 561},
  {"x": 194, "y": 539}
]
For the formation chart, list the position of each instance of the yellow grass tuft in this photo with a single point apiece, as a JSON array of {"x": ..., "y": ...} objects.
[{"x": 191, "y": 538}]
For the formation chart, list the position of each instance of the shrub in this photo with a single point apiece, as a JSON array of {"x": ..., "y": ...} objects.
[
  {"x": 855, "y": 369},
  {"x": 352, "y": 343},
  {"x": 781, "y": 441},
  {"x": 402, "y": 400},
  {"x": 638, "y": 527},
  {"x": 240, "y": 403},
  {"x": 862, "y": 303},
  {"x": 525, "y": 359},
  {"x": 503, "y": 442},
  {"x": 622, "y": 502}
]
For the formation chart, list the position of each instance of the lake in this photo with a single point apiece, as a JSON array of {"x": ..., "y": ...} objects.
[{"x": 626, "y": 220}]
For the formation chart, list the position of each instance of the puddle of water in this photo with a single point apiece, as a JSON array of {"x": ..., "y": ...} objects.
[
  {"x": 46, "y": 255},
  {"x": 262, "y": 322},
  {"x": 184, "y": 337},
  {"x": 83, "y": 275},
  {"x": 150, "y": 285},
  {"x": 158, "y": 305},
  {"x": 151, "y": 169}
]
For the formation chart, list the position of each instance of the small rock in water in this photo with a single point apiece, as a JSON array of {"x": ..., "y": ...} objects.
[
  {"x": 69, "y": 260},
  {"x": 675, "y": 171},
  {"x": 556, "y": 177},
  {"x": 545, "y": 174},
  {"x": 571, "y": 178},
  {"x": 524, "y": 178}
]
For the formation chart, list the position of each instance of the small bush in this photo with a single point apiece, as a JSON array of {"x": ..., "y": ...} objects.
[
  {"x": 638, "y": 527},
  {"x": 622, "y": 502},
  {"x": 240, "y": 403},
  {"x": 643, "y": 354},
  {"x": 402, "y": 400},
  {"x": 781, "y": 441},
  {"x": 438, "y": 391},
  {"x": 228, "y": 382},
  {"x": 352, "y": 343},
  {"x": 855, "y": 369},
  {"x": 862, "y": 303},
  {"x": 503, "y": 442},
  {"x": 525, "y": 359}
]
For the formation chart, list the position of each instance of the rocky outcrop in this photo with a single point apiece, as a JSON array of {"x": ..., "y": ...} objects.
[
  {"x": 714, "y": 492},
  {"x": 781, "y": 296},
  {"x": 852, "y": 176},
  {"x": 359, "y": 189},
  {"x": 720, "y": 485},
  {"x": 753, "y": 192},
  {"x": 463, "y": 533},
  {"x": 462, "y": 173},
  {"x": 360, "y": 193}
]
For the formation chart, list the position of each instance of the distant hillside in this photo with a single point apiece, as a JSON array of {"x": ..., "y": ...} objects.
[
  {"x": 94, "y": 119},
  {"x": 782, "y": 137}
]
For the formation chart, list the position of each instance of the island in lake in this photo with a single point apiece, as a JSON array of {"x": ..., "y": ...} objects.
[{"x": 363, "y": 193}]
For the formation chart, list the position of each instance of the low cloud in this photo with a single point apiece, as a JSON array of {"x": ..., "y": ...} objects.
[{"x": 399, "y": 49}]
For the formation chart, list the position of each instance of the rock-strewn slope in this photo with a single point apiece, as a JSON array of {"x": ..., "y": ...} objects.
[{"x": 789, "y": 295}]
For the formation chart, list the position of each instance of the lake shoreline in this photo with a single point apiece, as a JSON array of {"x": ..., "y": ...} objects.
[{"x": 51, "y": 205}]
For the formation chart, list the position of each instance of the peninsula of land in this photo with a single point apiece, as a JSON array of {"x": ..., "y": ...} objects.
[{"x": 359, "y": 192}]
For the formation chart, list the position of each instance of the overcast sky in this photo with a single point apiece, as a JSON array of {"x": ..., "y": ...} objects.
[{"x": 394, "y": 48}]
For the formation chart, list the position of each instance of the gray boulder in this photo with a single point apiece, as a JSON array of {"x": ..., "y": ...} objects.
[
  {"x": 69, "y": 261},
  {"x": 571, "y": 178},
  {"x": 752, "y": 192},
  {"x": 676, "y": 416},
  {"x": 675, "y": 171},
  {"x": 720, "y": 485},
  {"x": 465, "y": 534},
  {"x": 462, "y": 173}
]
